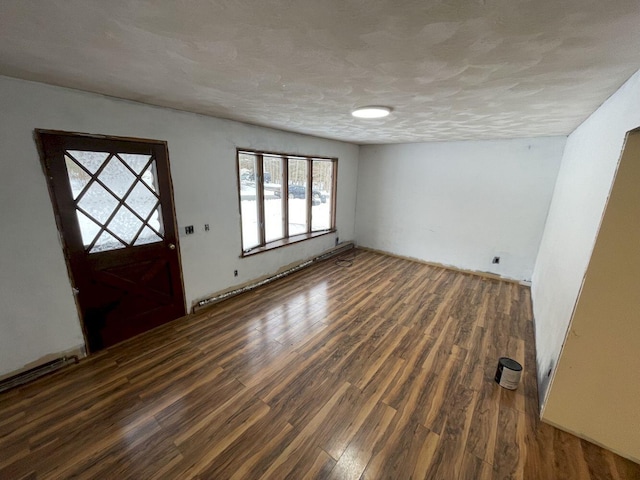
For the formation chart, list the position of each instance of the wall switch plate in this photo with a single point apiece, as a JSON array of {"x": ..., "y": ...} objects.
[{"x": 188, "y": 230}]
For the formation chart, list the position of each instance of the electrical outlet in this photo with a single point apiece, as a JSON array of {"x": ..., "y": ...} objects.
[
  {"x": 188, "y": 230},
  {"x": 235, "y": 273},
  {"x": 206, "y": 227}
]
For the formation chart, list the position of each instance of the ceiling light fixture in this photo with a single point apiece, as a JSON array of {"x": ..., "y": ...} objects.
[{"x": 372, "y": 111}]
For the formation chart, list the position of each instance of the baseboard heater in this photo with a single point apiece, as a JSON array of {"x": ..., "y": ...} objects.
[
  {"x": 36, "y": 372},
  {"x": 247, "y": 288}
]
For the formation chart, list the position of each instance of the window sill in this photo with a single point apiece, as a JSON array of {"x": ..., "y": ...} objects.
[{"x": 284, "y": 242}]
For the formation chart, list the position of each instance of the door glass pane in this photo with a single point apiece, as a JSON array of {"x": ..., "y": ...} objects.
[
  {"x": 272, "y": 171},
  {"x": 297, "y": 196},
  {"x": 88, "y": 228},
  {"x": 78, "y": 177},
  {"x": 248, "y": 201},
  {"x": 149, "y": 177},
  {"x": 88, "y": 172},
  {"x": 105, "y": 242},
  {"x": 125, "y": 225},
  {"x": 117, "y": 177},
  {"x": 136, "y": 162},
  {"x": 147, "y": 236},
  {"x": 98, "y": 202},
  {"x": 322, "y": 194},
  {"x": 89, "y": 160},
  {"x": 142, "y": 200},
  {"x": 155, "y": 221}
]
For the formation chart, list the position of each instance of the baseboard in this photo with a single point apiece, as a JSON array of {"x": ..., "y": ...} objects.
[
  {"x": 492, "y": 276},
  {"x": 221, "y": 295},
  {"x": 78, "y": 352}
]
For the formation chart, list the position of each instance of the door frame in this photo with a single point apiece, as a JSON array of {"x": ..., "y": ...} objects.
[{"x": 56, "y": 211}]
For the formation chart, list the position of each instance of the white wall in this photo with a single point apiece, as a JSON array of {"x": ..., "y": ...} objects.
[
  {"x": 459, "y": 203},
  {"x": 38, "y": 316},
  {"x": 584, "y": 181}
]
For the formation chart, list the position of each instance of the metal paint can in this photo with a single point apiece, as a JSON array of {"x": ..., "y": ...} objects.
[{"x": 508, "y": 373}]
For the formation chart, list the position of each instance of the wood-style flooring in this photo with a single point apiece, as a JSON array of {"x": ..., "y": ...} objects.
[{"x": 379, "y": 370}]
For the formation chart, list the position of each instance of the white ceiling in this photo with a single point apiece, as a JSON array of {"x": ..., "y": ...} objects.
[{"x": 452, "y": 70}]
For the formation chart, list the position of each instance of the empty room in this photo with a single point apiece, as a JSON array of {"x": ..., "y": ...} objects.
[{"x": 332, "y": 240}]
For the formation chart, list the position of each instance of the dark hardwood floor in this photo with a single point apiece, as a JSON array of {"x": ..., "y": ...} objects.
[{"x": 379, "y": 370}]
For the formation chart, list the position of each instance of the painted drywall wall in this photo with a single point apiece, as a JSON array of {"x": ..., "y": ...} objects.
[
  {"x": 596, "y": 387},
  {"x": 38, "y": 314},
  {"x": 588, "y": 165},
  {"x": 459, "y": 203}
]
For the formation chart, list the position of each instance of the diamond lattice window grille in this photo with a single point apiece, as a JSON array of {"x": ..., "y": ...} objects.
[{"x": 116, "y": 197}]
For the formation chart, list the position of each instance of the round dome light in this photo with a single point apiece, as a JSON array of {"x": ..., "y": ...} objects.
[{"x": 373, "y": 111}]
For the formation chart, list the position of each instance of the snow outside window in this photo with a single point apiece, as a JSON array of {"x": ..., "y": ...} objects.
[{"x": 284, "y": 198}]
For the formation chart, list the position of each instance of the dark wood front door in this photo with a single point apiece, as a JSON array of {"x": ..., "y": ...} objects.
[{"x": 114, "y": 207}]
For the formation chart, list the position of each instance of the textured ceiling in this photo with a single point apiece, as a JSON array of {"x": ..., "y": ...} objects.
[{"x": 452, "y": 70}]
